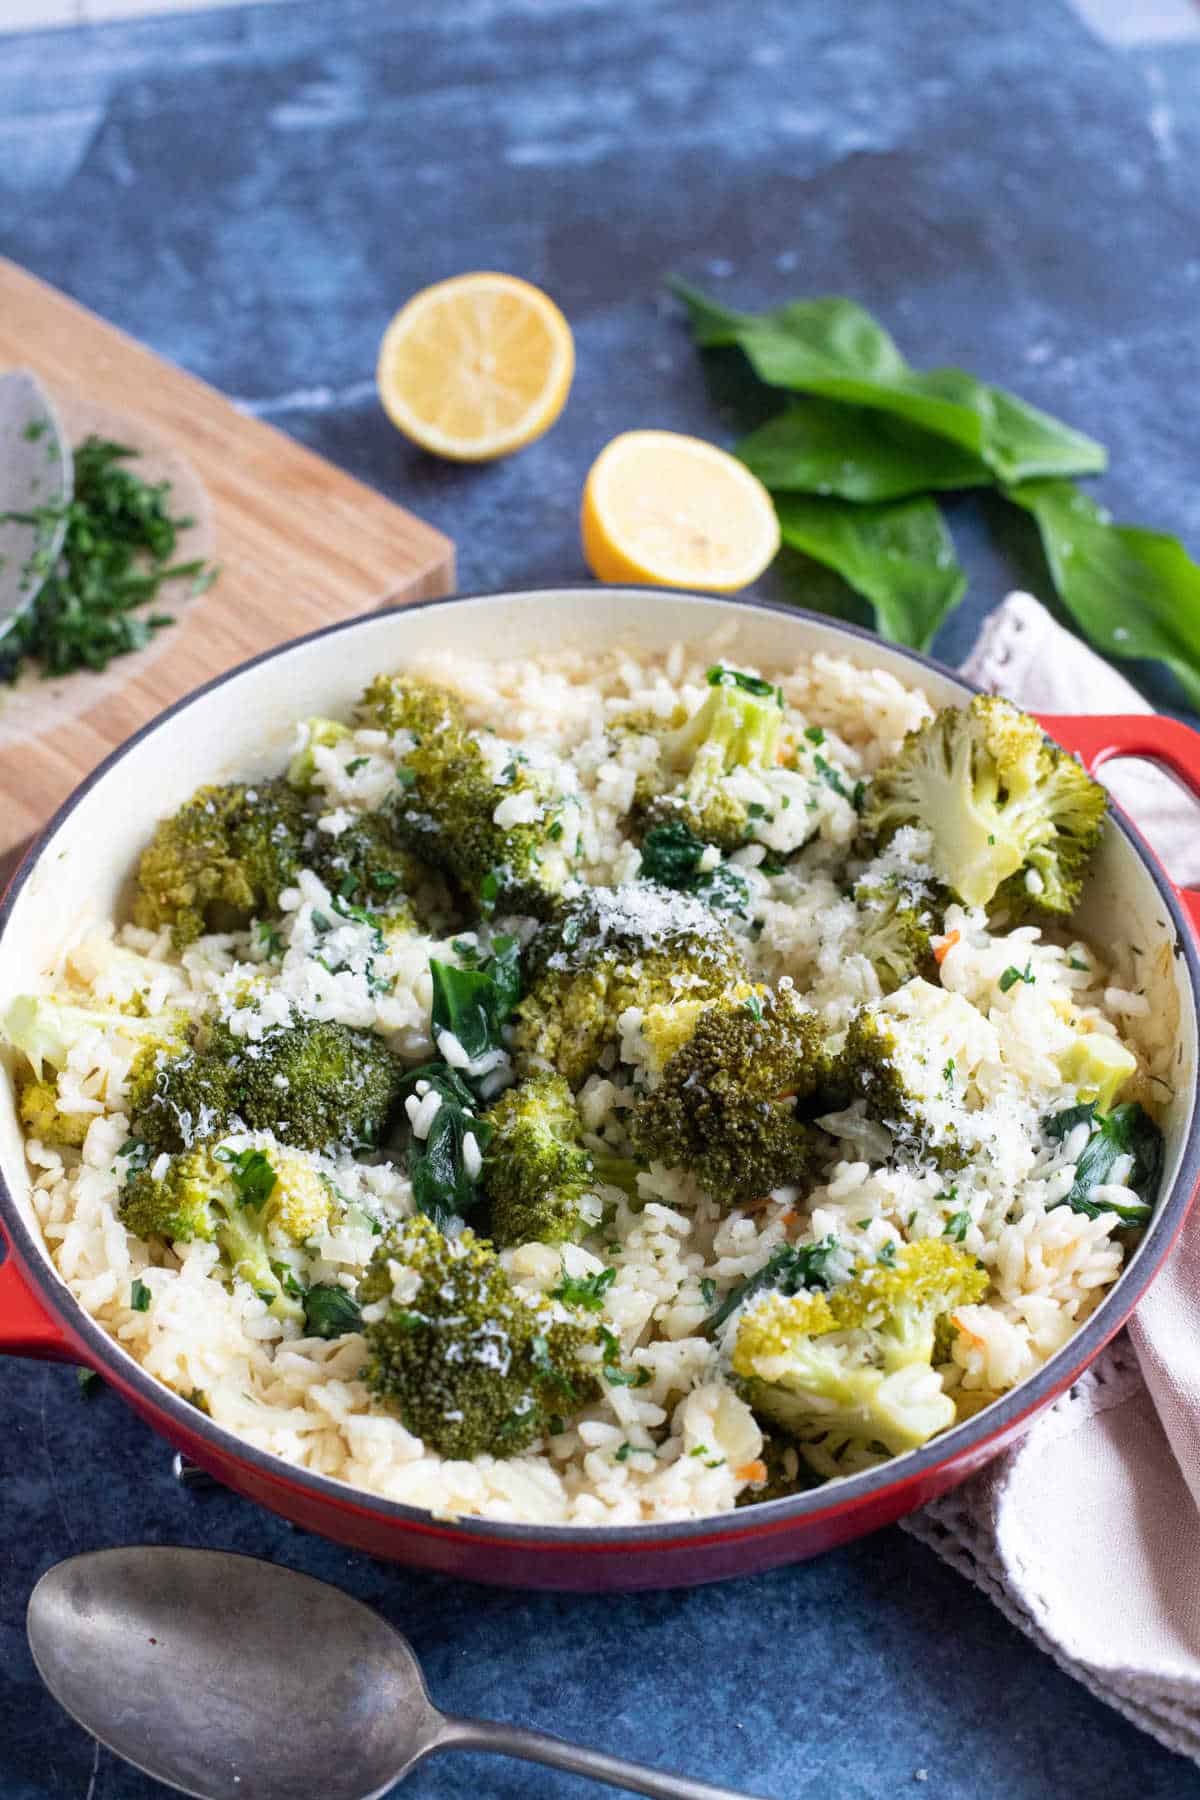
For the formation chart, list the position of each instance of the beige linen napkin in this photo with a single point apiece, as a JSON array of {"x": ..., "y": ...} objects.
[{"x": 1087, "y": 1534}]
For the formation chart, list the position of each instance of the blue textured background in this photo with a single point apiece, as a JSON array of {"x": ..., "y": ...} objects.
[{"x": 253, "y": 193}]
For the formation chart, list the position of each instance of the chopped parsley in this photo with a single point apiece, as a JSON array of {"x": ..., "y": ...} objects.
[
  {"x": 587, "y": 1291},
  {"x": 721, "y": 676},
  {"x": 139, "y": 1296},
  {"x": 708, "y": 1290},
  {"x": 1012, "y": 975},
  {"x": 116, "y": 553},
  {"x": 90, "y": 1383},
  {"x": 269, "y": 937},
  {"x": 136, "y": 1152},
  {"x": 489, "y": 891},
  {"x": 613, "y": 1374},
  {"x": 630, "y": 1378},
  {"x": 957, "y": 1226},
  {"x": 814, "y": 734},
  {"x": 356, "y": 763},
  {"x": 251, "y": 1174}
]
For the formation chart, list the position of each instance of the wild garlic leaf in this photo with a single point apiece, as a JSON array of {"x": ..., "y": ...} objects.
[
  {"x": 834, "y": 348},
  {"x": 855, "y": 453},
  {"x": 899, "y": 554},
  {"x": 1132, "y": 592}
]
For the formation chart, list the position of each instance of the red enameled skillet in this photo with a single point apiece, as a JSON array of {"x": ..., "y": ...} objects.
[{"x": 240, "y": 724}]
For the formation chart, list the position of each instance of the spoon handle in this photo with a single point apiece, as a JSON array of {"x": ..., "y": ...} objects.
[{"x": 540, "y": 1747}]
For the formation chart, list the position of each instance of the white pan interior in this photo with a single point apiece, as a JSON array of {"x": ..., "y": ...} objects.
[{"x": 244, "y": 726}]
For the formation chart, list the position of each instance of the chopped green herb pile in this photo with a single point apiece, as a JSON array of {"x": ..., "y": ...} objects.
[
  {"x": 854, "y": 466},
  {"x": 116, "y": 555}
]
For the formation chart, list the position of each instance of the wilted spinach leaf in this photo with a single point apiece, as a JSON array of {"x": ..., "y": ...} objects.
[
  {"x": 474, "y": 1001},
  {"x": 443, "y": 1187},
  {"x": 1127, "y": 1130},
  {"x": 330, "y": 1312},
  {"x": 671, "y": 855}
]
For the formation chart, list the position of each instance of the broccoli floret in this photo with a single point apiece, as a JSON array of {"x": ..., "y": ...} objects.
[
  {"x": 910, "y": 1059},
  {"x": 537, "y": 1172},
  {"x": 314, "y": 1083},
  {"x": 223, "y": 857},
  {"x": 736, "y": 727},
  {"x": 448, "y": 797},
  {"x": 893, "y": 934},
  {"x": 1014, "y": 820},
  {"x": 318, "y": 732},
  {"x": 43, "y": 1117},
  {"x": 848, "y": 1373},
  {"x": 253, "y": 1206},
  {"x": 611, "y": 949},
  {"x": 395, "y": 703},
  {"x": 470, "y": 1366},
  {"x": 45, "y": 1028},
  {"x": 364, "y": 865},
  {"x": 725, "y": 1106}
]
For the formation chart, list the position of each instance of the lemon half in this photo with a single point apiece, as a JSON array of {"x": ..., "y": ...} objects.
[
  {"x": 674, "y": 511},
  {"x": 477, "y": 366}
]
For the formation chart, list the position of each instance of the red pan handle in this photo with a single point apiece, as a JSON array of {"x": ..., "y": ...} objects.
[
  {"x": 1098, "y": 738},
  {"x": 26, "y": 1328}
]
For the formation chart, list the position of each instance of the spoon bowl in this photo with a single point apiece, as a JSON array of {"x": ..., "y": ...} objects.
[
  {"x": 233, "y": 1679},
  {"x": 229, "y": 1678}
]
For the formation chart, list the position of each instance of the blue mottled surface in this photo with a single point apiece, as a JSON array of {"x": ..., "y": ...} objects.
[{"x": 253, "y": 193}]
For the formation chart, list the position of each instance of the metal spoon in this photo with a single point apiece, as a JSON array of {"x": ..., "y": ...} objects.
[{"x": 232, "y": 1679}]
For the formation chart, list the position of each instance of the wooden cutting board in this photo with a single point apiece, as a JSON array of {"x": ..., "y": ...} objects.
[{"x": 300, "y": 543}]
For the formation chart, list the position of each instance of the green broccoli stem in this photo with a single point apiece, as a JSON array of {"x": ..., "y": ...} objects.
[{"x": 244, "y": 1250}]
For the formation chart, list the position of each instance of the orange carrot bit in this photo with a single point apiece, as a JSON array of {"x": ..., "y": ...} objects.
[
  {"x": 788, "y": 1218},
  {"x": 943, "y": 950},
  {"x": 752, "y": 1471},
  {"x": 972, "y": 1337}
]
